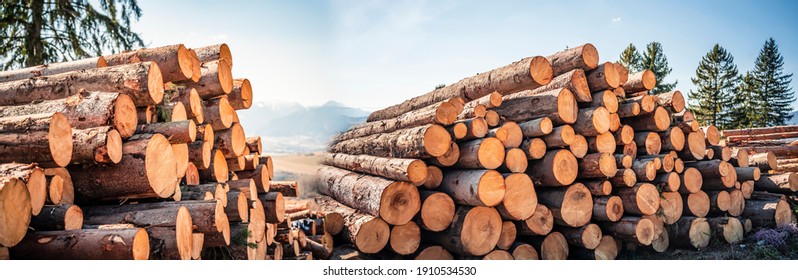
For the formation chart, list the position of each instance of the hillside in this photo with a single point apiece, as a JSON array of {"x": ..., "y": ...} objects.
[{"x": 291, "y": 128}]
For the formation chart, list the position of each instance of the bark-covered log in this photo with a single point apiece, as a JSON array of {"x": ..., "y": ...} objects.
[
  {"x": 84, "y": 244},
  {"x": 557, "y": 168},
  {"x": 520, "y": 199},
  {"x": 559, "y": 105},
  {"x": 410, "y": 170},
  {"x": 52, "y": 69},
  {"x": 571, "y": 206},
  {"x": 583, "y": 57},
  {"x": 474, "y": 187},
  {"x": 141, "y": 81},
  {"x": 15, "y": 210},
  {"x": 642, "y": 199},
  {"x": 58, "y": 217},
  {"x": 437, "y": 211},
  {"x": 475, "y": 231},
  {"x": 553, "y": 246},
  {"x": 396, "y": 202},
  {"x": 175, "y": 61},
  {"x": 696, "y": 204},
  {"x": 729, "y": 229},
  {"x": 42, "y": 138},
  {"x": 368, "y": 233},
  {"x": 690, "y": 232},
  {"x": 768, "y": 213},
  {"x": 631, "y": 229},
  {"x": 441, "y": 113},
  {"x": 419, "y": 142},
  {"x": 216, "y": 79},
  {"x": 778, "y": 183},
  {"x": 607, "y": 208},
  {"x": 33, "y": 178},
  {"x": 640, "y": 81},
  {"x": 485, "y": 153}
]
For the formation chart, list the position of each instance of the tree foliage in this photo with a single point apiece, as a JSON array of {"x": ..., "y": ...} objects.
[
  {"x": 772, "y": 86},
  {"x": 716, "y": 80},
  {"x": 654, "y": 59},
  {"x": 631, "y": 59},
  {"x": 36, "y": 32}
]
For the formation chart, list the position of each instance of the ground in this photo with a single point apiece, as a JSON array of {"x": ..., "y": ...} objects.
[{"x": 297, "y": 167}]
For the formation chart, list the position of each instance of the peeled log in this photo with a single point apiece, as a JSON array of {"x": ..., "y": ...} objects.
[
  {"x": 43, "y": 138},
  {"x": 527, "y": 73},
  {"x": 33, "y": 178},
  {"x": 541, "y": 222},
  {"x": 474, "y": 187},
  {"x": 15, "y": 211},
  {"x": 559, "y": 105},
  {"x": 475, "y": 231},
  {"x": 437, "y": 211},
  {"x": 85, "y": 110},
  {"x": 571, "y": 206},
  {"x": 368, "y": 233},
  {"x": 84, "y": 244},
  {"x": 520, "y": 199},
  {"x": 690, "y": 232},
  {"x": 147, "y": 169},
  {"x": 557, "y": 168},
  {"x": 141, "y": 81},
  {"x": 420, "y": 142},
  {"x": 607, "y": 208},
  {"x": 396, "y": 202},
  {"x": 411, "y": 170}
]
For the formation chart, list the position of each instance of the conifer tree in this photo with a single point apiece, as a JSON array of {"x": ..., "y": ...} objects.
[
  {"x": 716, "y": 78},
  {"x": 772, "y": 86},
  {"x": 654, "y": 59},
  {"x": 631, "y": 59},
  {"x": 745, "y": 104}
]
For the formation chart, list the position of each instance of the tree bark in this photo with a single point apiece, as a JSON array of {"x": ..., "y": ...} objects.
[
  {"x": 419, "y": 142},
  {"x": 559, "y": 105},
  {"x": 690, "y": 232},
  {"x": 441, "y": 113},
  {"x": 33, "y": 178},
  {"x": 631, "y": 229},
  {"x": 410, "y": 170},
  {"x": 216, "y": 79},
  {"x": 58, "y": 217},
  {"x": 768, "y": 213},
  {"x": 84, "y": 244},
  {"x": 43, "y": 138},
  {"x": 368, "y": 233},
  {"x": 215, "y": 52}
]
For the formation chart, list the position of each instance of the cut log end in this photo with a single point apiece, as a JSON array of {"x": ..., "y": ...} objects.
[
  {"x": 59, "y": 137},
  {"x": 405, "y": 239},
  {"x": 540, "y": 70},
  {"x": 160, "y": 165},
  {"x": 436, "y": 140},
  {"x": 399, "y": 203},
  {"x": 481, "y": 230},
  {"x": 373, "y": 236},
  {"x": 141, "y": 245},
  {"x": 125, "y": 115},
  {"x": 437, "y": 212},
  {"x": 16, "y": 211},
  {"x": 554, "y": 247}
]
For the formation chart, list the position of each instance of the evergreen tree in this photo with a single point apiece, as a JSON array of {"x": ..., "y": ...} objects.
[
  {"x": 654, "y": 59},
  {"x": 745, "y": 104},
  {"x": 34, "y": 32},
  {"x": 715, "y": 79},
  {"x": 772, "y": 86},
  {"x": 631, "y": 59}
]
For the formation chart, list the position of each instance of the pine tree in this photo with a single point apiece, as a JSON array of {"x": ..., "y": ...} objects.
[
  {"x": 772, "y": 86},
  {"x": 34, "y": 32},
  {"x": 654, "y": 59},
  {"x": 745, "y": 104},
  {"x": 716, "y": 79},
  {"x": 631, "y": 59}
]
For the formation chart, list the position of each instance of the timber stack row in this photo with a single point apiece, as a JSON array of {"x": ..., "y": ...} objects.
[
  {"x": 552, "y": 157},
  {"x": 140, "y": 155}
]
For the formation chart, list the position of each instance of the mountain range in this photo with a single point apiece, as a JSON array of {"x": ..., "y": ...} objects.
[{"x": 291, "y": 128}]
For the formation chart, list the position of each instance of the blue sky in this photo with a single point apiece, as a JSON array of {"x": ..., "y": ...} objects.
[{"x": 371, "y": 54}]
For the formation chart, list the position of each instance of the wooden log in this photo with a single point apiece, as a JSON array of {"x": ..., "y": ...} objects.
[
  {"x": 630, "y": 229},
  {"x": 598, "y": 187},
  {"x": 691, "y": 181},
  {"x": 434, "y": 177},
  {"x": 396, "y": 202},
  {"x": 84, "y": 244},
  {"x": 237, "y": 208},
  {"x": 441, "y": 113},
  {"x": 437, "y": 211},
  {"x": 606, "y": 250},
  {"x": 597, "y": 165},
  {"x": 607, "y": 208},
  {"x": 603, "y": 77},
  {"x": 588, "y": 236},
  {"x": 273, "y": 206},
  {"x": 645, "y": 170},
  {"x": 457, "y": 130},
  {"x": 695, "y": 148},
  {"x": 764, "y": 161},
  {"x": 640, "y": 81},
  {"x": 672, "y": 139},
  {"x": 85, "y": 110},
  {"x": 668, "y": 182},
  {"x": 231, "y": 141},
  {"x": 487, "y": 153},
  {"x": 62, "y": 191},
  {"x": 540, "y": 223},
  {"x": 177, "y": 132},
  {"x": 141, "y": 81},
  {"x": 690, "y": 232},
  {"x": 646, "y": 102},
  {"x": 523, "y": 251},
  {"x": 528, "y": 73},
  {"x": 534, "y": 148},
  {"x": 15, "y": 202},
  {"x": 583, "y": 57},
  {"x": 411, "y": 170},
  {"x": 434, "y": 252},
  {"x": 52, "y": 69},
  {"x": 420, "y": 142},
  {"x": 711, "y": 168},
  {"x": 672, "y": 100},
  {"x": 642, "y": 199},
  {"x": 736, "y": 203},
  {"x": 778, "y": 183},
  {"x": 768, "y": 212},
  {"x": 507, "y": 236},
  {"x": 175, "y": 61},
  {"x": 603, "y": 143},
  {"x": 592, "y": 121},
  {"x": 200, "y": 153},
  {"x": 369, "y": 234},
  {"x": 571, "y": 206},
  {"x": 574, "y": 81},
  {"x": 515, "y": 161},
  {"x": 557, "y": 168},
  {"x": 552, "y": 247},
  {"x": 561, "y": 136},
  {"x": 624, "y": 178},
  {"x": 33, "y": 178},
  {"x": 630, "y": 149},
  {"x": 492, "y": 118},
  {"x": 43, "y": 138},
  {"x": 672, "y": 207},
  {"x": 559, "y": 105},
  {"x": 490, "y": 101},
  {"x": 215, "y": 79},
  {"x": 603, "y": 98},
  {"x": 240, "y": 96},
  {"x": 190, "y": 100},
  {"x": 579, "y": 147},
  {"x": 659, "y": 120},
  {"x": 149, "y": 156},
  {"x": 697, "y": 204},
  {"x": 514, "y": 134},
  {"x": 218, "y": 113},
  {"x": 623, "y": 161},
  {"x": 215, "y": 52},
  {"x": 405, "y": 239},
  {"x": 474, "y": 187},
  {"x": 520, "y": 199},
  {"x": 615, "y": 122},
  {"x": 728, "y": 229},
  {"x": 145, "y": 115},
  {"x": 96, "y": 145},
  {"x": 536, "y": 127},
  {"x": 58, "y": 217},
  {"x": 626, "y": 110},
  {"x": 747, "y": 173},
  {"x": 287, "y": 188},
  {"x": 475, "y": 231}
]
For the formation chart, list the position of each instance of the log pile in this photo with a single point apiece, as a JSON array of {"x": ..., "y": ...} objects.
[
  {"x": 550, "y": 157},
  {"x": 139, "y": 155}
]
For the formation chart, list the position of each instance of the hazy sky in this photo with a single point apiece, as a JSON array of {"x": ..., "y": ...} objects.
[{"x": 371, "y": 54}]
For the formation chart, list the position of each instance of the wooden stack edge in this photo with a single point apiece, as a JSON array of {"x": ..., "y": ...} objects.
[
  {"x": 143, "y": 148},
  {"x": 582, "y": 165}
]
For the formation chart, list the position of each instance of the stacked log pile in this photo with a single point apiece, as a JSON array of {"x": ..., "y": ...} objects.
[
  {"x": 138, "y": 155},
  {"x": 545, "y": 158}
]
